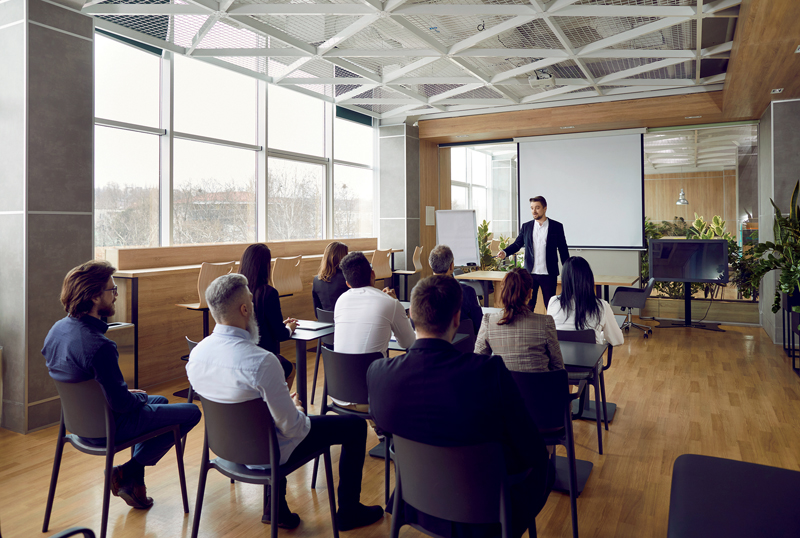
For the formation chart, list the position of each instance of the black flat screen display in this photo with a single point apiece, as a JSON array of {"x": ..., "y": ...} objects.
[{"x": 689, "y": 260}]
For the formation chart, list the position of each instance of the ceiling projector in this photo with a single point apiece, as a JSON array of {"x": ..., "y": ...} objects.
[{"x": 542, "y": 79}]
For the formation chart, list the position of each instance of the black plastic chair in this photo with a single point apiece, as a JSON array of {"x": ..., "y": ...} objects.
[
  {"x": 192, "y": 345},
  {"x": 327, "y": 317},
  {"x": 346, "y": 380},
  {"x": 466, "y": 484},
  {"x": 630, "y": 298},
  {"x": 593, "y": 377},
  {"x": 244, "y": 434},
  {"x": 549, "y": 403},
  {"x": 85, "y": 413},
  {"x": 467, "y": 345}
]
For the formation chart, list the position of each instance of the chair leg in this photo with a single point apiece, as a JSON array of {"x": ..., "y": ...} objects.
[
  {"x": 603, "y": 397},
  {"x": 198, "y": 505},
  {"x": 397, "y": 519},
  {"x": 314, "y": 473},
  {"x": 596, "y": 385},
  {"x": 106, "y": 491},
  {"x": 273, "y": 507},
  {"x": 573, "y": 479},
  {"x": 386, "y": 471},
  {"x": 54, "y": 478},
  {"x": 331, "y": 492},
  {"x": 316, "y": 370},
  {"x": 179, "y": 443}
]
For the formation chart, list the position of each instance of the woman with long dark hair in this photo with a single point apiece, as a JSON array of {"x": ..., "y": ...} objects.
[
  {"x": 526, "y": 341},
  {"x": 329, "y": 282},
  {"x": 273, "y": 329},
  {"x": 578, "y": 308}
]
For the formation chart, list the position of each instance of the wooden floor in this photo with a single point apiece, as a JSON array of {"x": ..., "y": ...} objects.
[{"x": 729, "y": 394}]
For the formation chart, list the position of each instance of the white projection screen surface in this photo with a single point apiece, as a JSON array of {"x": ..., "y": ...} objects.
[{"x": 594, "y": 186}]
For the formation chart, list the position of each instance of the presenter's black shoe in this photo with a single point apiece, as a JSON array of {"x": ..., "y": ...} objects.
[{"x": 358, "y": 516}]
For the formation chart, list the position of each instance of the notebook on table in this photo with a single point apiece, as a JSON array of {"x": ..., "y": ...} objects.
[{"x": 313, "y": 325}]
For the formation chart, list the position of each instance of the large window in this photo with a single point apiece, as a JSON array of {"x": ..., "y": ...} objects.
[{"x": 195, "y": 139}]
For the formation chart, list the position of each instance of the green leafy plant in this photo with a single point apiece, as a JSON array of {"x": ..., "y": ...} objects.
[
  {"x": 654, "y": 230},
  {"x": 487, "y": 261},
  {"x": 783, "y": 253}
]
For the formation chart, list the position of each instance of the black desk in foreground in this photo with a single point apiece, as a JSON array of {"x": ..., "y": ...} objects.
[{"x": 720, "y": 497}]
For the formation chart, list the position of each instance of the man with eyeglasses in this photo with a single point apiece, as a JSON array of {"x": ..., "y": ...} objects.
[{"x": 77, "y": 350}]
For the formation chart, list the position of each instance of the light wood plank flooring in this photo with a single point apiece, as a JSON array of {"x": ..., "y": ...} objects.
[{"x": 729, "y": 394}]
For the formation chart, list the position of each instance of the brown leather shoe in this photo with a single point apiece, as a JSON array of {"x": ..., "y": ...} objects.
[
  {"x": 136, "y": 496},
  {"x": 116, "y": 480}
]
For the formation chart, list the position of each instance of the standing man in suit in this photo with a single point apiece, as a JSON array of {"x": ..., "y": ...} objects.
[{"x": 541, "y": 237}]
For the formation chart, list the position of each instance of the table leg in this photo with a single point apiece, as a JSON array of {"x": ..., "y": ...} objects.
[
  {"x": 485, "y": 284},
  {"x": 205, "y": 323},
  {"x": 135, "y": 321},
  {"x": 605, "y": 292},
  {"x": 597, "y": 290},
  {"x": 302, "y": 378}
]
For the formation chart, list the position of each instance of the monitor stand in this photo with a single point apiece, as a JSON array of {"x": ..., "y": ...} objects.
[{"x": 687, "y": 322}]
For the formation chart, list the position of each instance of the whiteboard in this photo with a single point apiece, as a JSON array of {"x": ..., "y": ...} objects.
[
  {"x": 594, "y": 186},
  {"x": 458, "y": 229}
]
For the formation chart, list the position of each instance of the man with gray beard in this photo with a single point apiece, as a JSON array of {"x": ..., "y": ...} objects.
[{"x": 229, "y": 367}]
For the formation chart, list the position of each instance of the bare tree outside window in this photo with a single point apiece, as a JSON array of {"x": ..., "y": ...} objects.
[
  {"x": 294, "y": 200},
  {"x": 212, "y": 211}
]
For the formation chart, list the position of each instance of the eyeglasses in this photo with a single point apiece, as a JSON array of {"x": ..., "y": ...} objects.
[{"x": 114, "y": 290}]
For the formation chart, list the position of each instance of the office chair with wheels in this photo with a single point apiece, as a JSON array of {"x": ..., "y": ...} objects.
[
  {"x": 346, "y": 380},
  {"x": 549, "y": 403},
  {"x": 465, "y": 484},
  {"x": 85, "y": 413},
  {"x": 630, "y": 298},
  {"x": 231, "y": 434}
]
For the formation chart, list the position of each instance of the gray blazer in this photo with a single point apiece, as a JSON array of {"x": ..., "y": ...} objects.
[{"x": 527, "y": 344}]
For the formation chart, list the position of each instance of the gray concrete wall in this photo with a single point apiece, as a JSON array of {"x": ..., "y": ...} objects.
[
  {"x": 766, "y": 214},
  {"x": 46, "y": 175}
]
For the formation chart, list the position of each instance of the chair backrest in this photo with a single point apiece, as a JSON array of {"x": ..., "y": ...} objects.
[
  {"x": 285, "y": 275},
  {"x": 381, "y": 265},
  {"x": 418, "y": 259},
  {"x": 325, "y": 316},
  {"x": 191, "y": 343},
  {"x": 209, "y": 272},
  {"x": 649, "y": 287},
  {"x": 546, "y": 394},
  {"x": 242, "y": 433},
  {"x": 346, "y": 374},
  {"x": 586, "y": 335},
  {"x": 461, "y": 484},
  {"x": 84, "y": 406}
]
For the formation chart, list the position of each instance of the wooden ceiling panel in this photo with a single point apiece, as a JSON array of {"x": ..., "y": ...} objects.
[{"x": 763, "y": 57}]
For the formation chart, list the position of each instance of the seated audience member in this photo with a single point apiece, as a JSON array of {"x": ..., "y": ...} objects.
[
  {"x": 329, "y": 281},
  {"x": 578, "y": 308},
  {"x": 77, "y": 350},
  {"x": 441, "y": 261},
  {"x": 228, "y": 367},
  {"x": 527, "y": 341},
  {"x": 436, "y": 395},
  {"x": 365, "y": 317},
  {"x": 255, "y": 266}
]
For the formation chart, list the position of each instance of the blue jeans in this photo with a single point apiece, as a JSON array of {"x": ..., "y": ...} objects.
[{"x": 154, "y": 414}]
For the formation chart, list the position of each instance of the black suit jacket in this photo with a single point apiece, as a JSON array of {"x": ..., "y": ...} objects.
[
  {"x": 436, "y": 395},
  {"x": 267, "y": 306},
  {"x": 325, "y": 294},
  {"x": 555, "y": 242},
  {"x": 470, "y": 307}
]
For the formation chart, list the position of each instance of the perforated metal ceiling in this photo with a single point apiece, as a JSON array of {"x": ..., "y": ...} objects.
[{"x": 398, "y": 58}]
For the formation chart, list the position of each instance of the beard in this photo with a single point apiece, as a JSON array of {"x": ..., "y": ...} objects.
[
  {"x": 252, "y": 328},
  {"x": 107, "y": 310}
]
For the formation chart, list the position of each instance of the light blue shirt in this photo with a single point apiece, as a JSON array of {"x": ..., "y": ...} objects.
[{"x": 226, "y": 367}]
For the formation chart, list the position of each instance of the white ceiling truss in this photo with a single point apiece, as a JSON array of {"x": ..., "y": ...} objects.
[
  {"x": 401, "y": 58},
  {"x": 698, "y": 149}
]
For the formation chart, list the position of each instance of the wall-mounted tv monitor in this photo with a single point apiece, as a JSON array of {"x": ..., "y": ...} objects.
[{"x": 689, "y": 260}]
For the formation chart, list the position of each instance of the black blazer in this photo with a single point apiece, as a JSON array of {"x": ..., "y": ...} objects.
[
  {"x": 555, "y": 242},
  {"x": 325, "y": 294},
  {"x": 267, "y": 308}
]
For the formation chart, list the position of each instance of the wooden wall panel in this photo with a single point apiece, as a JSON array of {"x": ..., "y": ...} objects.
[
  {"x": 428, "y": 196},
  {"x": 708, "y": 193},
  {"x": 128, "y": 258},
  {"x": 632, "y": 113}
]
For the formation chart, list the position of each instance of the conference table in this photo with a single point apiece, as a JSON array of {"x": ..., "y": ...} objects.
[{"x": 601, "y": 282}]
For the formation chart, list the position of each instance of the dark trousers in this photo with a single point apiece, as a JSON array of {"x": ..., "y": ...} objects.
[
  {"x": 548, "y": 284},
  {"x": 155, "y": 414},
  {"x": 348, "y": 431}
]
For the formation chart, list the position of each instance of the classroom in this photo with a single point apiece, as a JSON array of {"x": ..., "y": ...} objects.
[{"x": 159, "y": 136}]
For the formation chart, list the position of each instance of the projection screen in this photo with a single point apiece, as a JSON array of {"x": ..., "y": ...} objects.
[{"x": 594, "y": 186}]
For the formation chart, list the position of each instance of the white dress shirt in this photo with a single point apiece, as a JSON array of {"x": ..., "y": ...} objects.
[
  {"x": 539, "y": 246},
  {"x": 605, "y": 328},
  {"x": 364, "y": 319},
  {"x": 226, "y": 367}
]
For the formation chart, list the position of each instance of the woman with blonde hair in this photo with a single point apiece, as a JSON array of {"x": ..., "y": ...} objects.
[
  {"x": 526, "y": 341},
  {"x": 329, "y": 282}
]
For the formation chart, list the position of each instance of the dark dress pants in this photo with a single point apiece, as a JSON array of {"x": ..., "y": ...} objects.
[{"x": 548, "y": 284}]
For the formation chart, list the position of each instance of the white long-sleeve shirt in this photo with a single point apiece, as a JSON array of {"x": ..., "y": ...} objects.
[
  {"x": 226, "y": 367},
  {"x": 605, "y": 328},
  {"x": 364, "y": 319}
]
